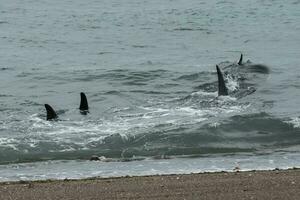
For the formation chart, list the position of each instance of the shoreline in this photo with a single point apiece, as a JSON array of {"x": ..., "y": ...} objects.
[
  {"x": 235, "y": 171},
  {"x": 256, "y": 184}
]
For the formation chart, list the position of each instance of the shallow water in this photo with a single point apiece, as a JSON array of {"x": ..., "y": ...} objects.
[{"x": 148, "y": 70}]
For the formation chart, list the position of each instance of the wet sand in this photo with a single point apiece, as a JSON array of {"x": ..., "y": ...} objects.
[{"x": 276, "y": 184}]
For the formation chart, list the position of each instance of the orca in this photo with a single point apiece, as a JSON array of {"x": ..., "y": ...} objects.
[
  {"x": 248, "y": 75},
  {"x": 84, "y": 107},
  {"x": 51, "y": 114},
  {"x": 222, "y": 89},
  {"x": 249, "y": 67},
  {"x": 241, "y": 60}
]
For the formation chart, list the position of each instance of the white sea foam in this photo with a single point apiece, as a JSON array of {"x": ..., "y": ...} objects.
[
  {"x": 9, "y": 142},
  {"x": 295, "y": 122},
  {"x": 204, "y": 93},
  {"x": 232, "y": 84}
]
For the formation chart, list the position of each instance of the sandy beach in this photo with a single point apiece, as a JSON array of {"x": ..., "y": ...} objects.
[{"x": 276, "y": 184}]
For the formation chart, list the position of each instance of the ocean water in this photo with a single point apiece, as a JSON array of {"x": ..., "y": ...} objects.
[{"x": 148, "y": 70}]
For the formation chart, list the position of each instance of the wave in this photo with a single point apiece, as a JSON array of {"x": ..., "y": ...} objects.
[{"x": 128, "y": 138}]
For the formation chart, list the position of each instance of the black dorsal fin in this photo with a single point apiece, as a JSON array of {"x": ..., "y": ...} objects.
[
  {"x": 222, "y": 91},
  {"x": 83, "y": 103},
  {"x": 241, "y": 60},
  {"x": 51, "y": 114}
]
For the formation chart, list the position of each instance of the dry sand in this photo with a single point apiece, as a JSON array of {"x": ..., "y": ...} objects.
[{"x": 277, "y": 184}]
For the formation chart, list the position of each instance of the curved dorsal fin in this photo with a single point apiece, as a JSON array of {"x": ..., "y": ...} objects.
[
  {"x": 51, "y": 114},
  {"x": 84, "y": 107},
  {"x": 241, "y": 60},
  {"x": 222, "y": 89}
]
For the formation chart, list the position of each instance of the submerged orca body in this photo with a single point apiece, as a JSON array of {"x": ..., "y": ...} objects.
[
  {"x": 243, "y": 68},
  {"x": 84, "y": 108}
]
